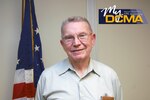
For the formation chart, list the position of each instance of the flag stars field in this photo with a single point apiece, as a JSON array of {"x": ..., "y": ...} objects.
[
  {"x": 37, "y": 31},
  {"x": 36, "y": 48},
  {"x": 18, "y": 61}
]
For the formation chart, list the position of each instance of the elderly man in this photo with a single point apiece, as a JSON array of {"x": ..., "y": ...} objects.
[{"x": 78, "y": 77}]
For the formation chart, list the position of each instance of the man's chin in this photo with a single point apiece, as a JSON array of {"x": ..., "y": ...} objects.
[{"x": 78, "y": 58}]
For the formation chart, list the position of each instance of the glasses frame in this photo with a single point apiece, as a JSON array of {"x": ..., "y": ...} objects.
[{"x": 82, "y": 37}]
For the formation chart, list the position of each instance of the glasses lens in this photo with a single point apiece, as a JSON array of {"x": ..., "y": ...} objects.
[{"x": 70, "y": 38}]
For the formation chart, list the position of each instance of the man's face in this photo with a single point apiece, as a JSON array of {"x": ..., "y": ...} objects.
[{"x": 77, "y": 41}]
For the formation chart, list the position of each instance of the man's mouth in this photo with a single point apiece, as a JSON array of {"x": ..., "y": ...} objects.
[{"x": 77, "y": 50}]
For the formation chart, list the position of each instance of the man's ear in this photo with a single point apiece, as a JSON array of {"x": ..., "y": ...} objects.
[
  {"x": 93, "y": 38},
  {"x": 61, "y": 42}
]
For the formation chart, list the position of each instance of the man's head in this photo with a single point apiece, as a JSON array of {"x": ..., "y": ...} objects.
[{"x": 77, "y": 38}]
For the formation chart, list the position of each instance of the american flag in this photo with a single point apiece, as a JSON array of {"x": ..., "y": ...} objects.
[{"x": 29, "y": 63}]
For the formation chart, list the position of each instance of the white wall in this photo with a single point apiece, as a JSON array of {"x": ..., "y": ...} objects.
[
  {"x": 124, "y": 47},
  {"x": 10, "y": 27}
]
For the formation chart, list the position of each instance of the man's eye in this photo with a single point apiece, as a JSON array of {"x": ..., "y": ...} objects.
[
  {"x": 82, "y": 35},
  {"x": 68, "y": 37}
]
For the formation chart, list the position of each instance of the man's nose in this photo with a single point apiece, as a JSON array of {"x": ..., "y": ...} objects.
[{"x": 76, "y": 41}]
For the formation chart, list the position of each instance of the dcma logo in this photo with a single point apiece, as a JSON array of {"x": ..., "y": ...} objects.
[
  {"x": 112, "y": 15},
  {"x": 123, "y": 19}
]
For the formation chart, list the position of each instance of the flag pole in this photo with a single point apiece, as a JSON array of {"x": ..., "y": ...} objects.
[{"x": 23, "y": 10}]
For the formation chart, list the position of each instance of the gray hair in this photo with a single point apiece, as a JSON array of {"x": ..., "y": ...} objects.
[{"x": 75, "y": 19}]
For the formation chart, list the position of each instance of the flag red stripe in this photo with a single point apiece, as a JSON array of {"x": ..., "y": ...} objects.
[{"x": 24, "y": 90}]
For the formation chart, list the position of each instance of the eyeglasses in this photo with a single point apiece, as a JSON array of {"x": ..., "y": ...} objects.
[{"x": 83, "y": 37}]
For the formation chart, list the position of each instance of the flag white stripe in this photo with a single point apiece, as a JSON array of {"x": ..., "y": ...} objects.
[
  {"x": 22, "y": 75},
  {"x": 24, "y": 98}
]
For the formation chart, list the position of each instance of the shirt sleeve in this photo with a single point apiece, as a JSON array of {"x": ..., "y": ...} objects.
[
  {"x": 117, "y": 88},
  {"x": 39, "y": 93}
]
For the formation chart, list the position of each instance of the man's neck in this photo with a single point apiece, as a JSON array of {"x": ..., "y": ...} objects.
[{"x": 81, "y": 66}]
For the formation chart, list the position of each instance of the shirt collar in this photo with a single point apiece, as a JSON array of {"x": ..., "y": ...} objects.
[
  {"x": 93, "y": 67},
  {"x": 66, "y": 66}
]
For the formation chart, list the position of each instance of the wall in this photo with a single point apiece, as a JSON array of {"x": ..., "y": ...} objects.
[
  {"x": 10, "y": 27},
  {"x": 124, "y": 47},
  {"x": 127, "y": 49}
]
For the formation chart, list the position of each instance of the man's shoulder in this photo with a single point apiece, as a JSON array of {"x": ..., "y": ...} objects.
[
  {"x": 101, "y": 65},
  {"x": 103, "y": 69},
  {"x": 56, "y": 67}
]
